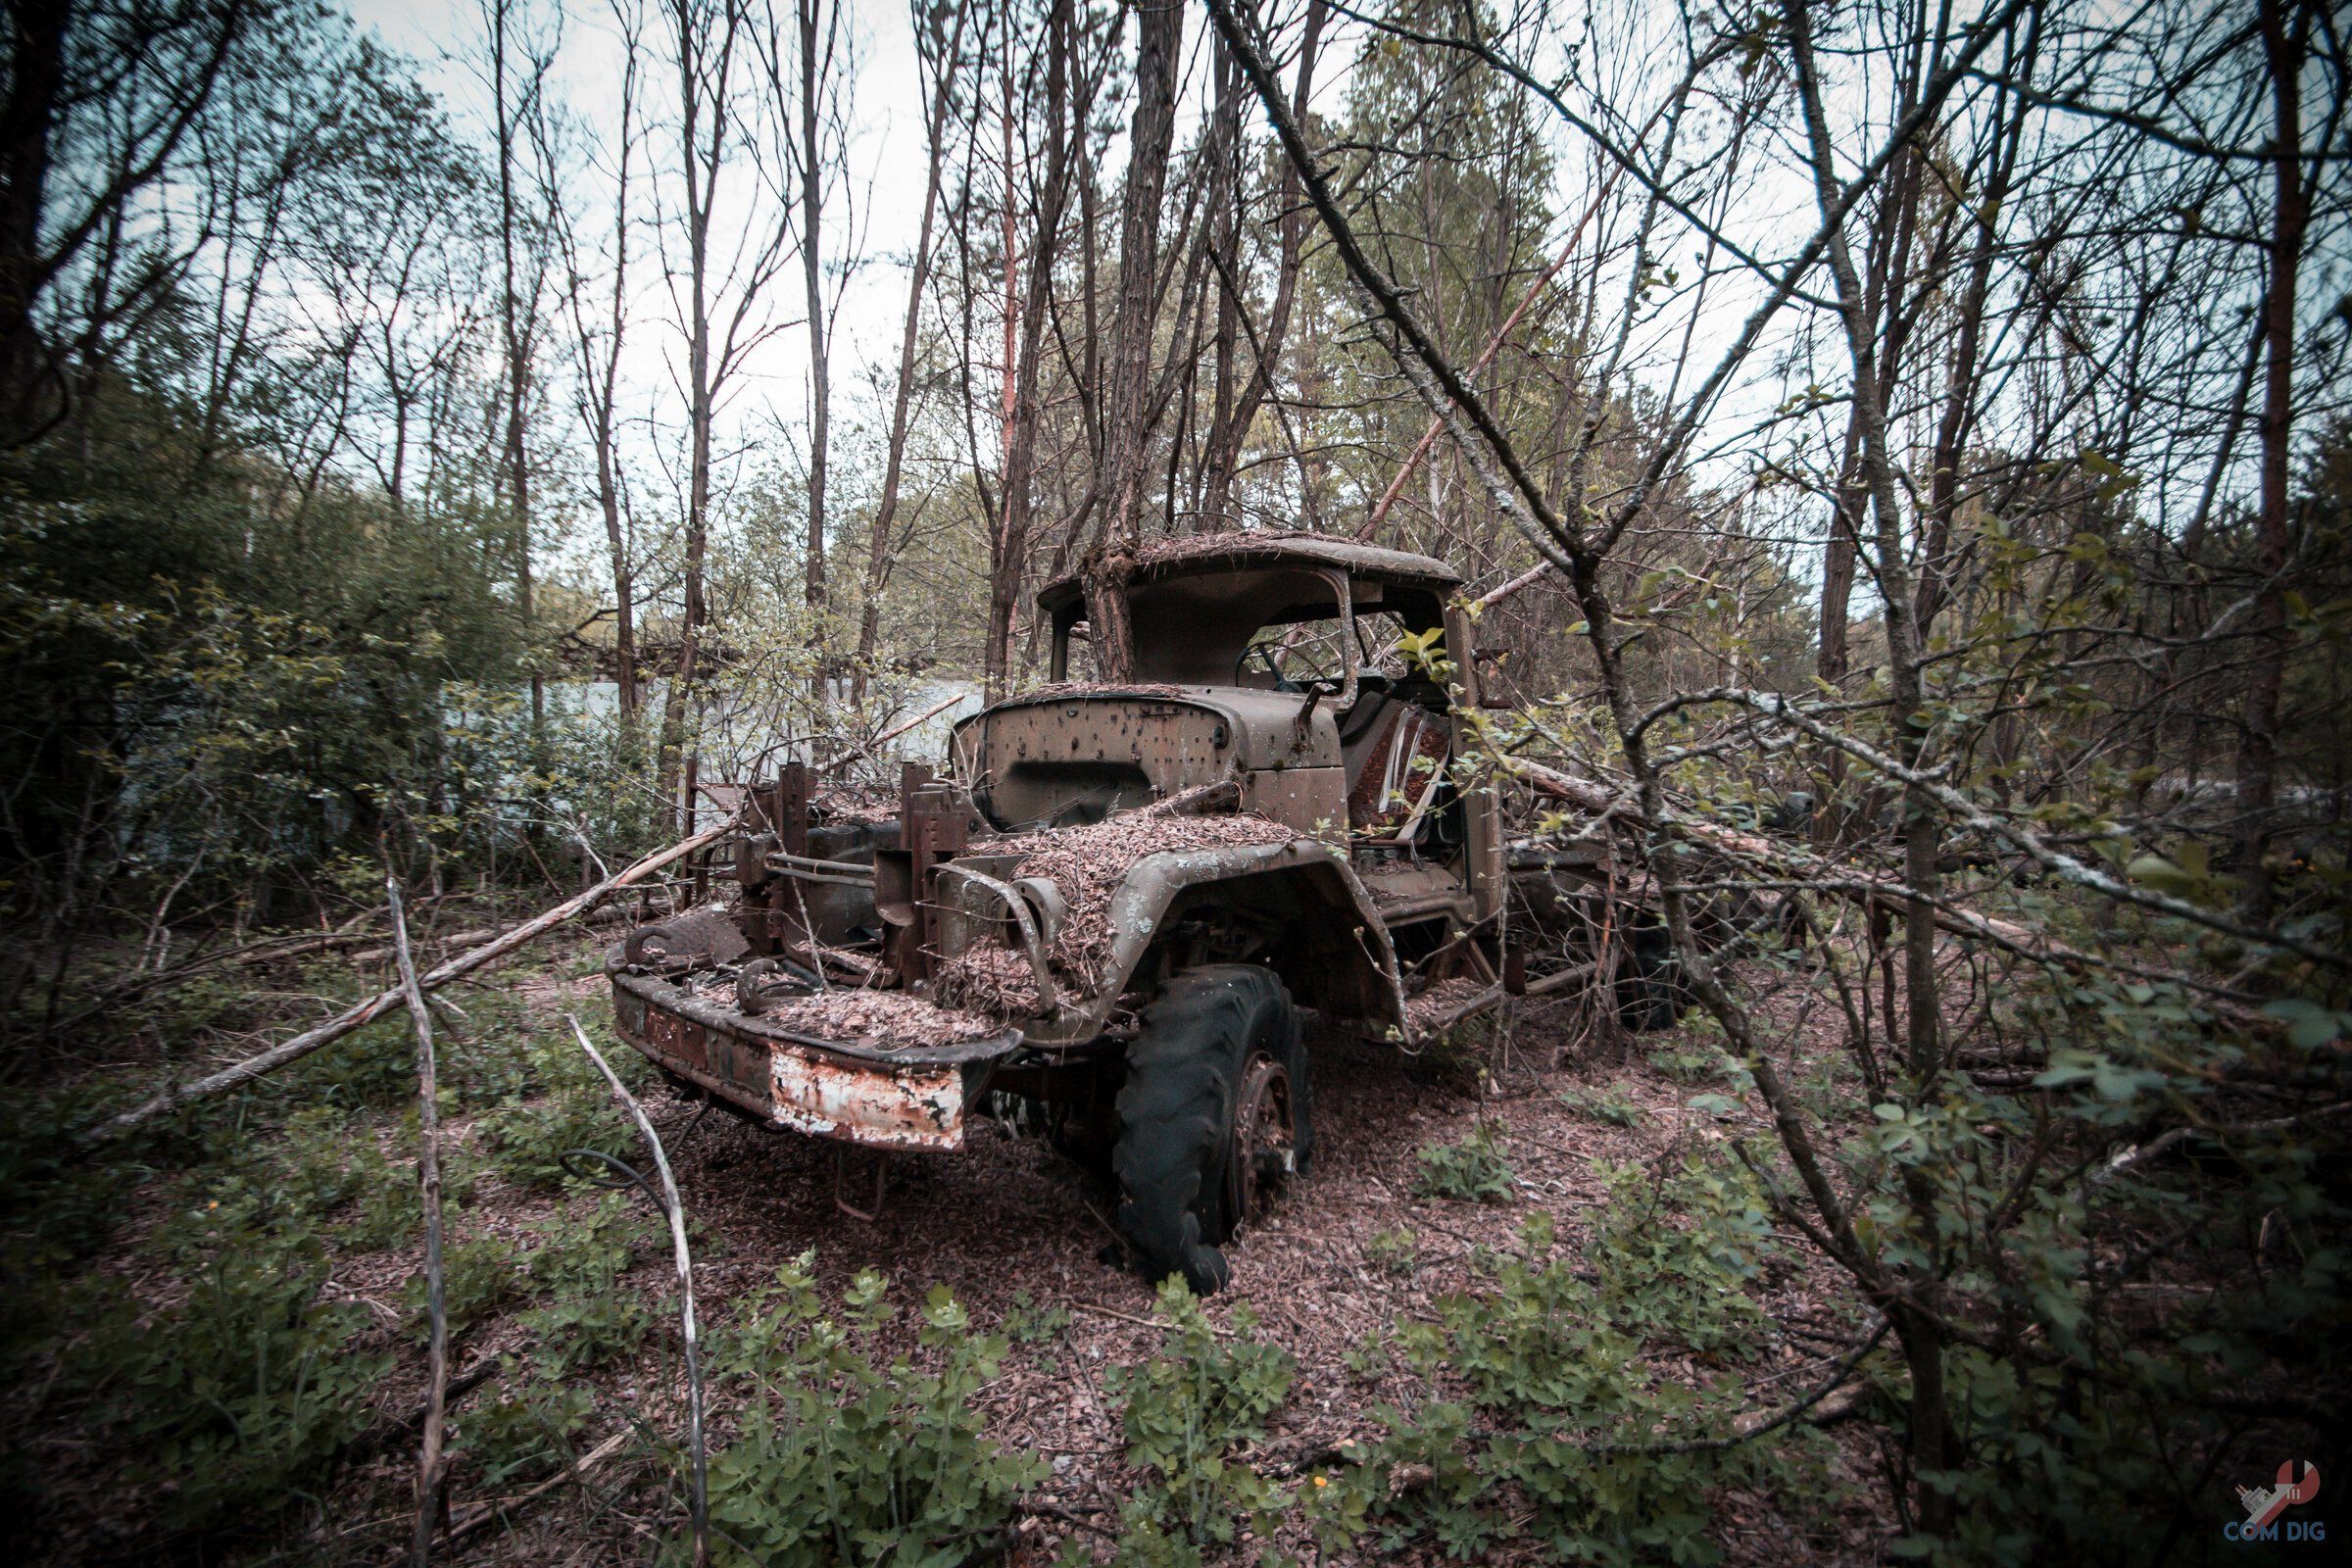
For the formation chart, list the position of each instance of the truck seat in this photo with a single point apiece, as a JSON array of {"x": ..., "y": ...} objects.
[{"x": 1379, "y": 752}]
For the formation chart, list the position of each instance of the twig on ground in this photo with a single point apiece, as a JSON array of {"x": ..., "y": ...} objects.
[
  {"x": 676, "y": 1215},
  {"x": 490, "y": 1510},
  {"x": 1140, "y": 1322}
]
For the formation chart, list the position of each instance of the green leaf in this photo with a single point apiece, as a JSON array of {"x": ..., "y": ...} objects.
[{"x": 2308, "y": 1033}]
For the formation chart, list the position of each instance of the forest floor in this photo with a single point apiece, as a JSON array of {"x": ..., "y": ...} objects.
[{"x": 1021, "y": 1235}]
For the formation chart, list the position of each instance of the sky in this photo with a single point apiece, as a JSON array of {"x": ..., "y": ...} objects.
[
  {"x": 885, "y": 195},
  {"x": 888, "y": 170}
]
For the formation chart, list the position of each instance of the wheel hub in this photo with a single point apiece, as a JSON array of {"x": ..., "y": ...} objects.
[{"x": 1264, "y": 1140}]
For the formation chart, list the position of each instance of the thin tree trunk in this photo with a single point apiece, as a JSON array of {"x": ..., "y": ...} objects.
[
  {"x": 2258, "y": 740},
  {"x": 1012, "y": 555},
  {"x": 1159, "y": 44},
  {"x": 1915, "y": 1317},
  {"x": 518, "y": 346},
  {"x": 877, "y": 555},
  {"x": 429, "y": 1462},
  {"x": 820, "y": 381},
  {"x": 1959, "y": 409},
  {"x": 702, "y": 167},
  {"x": 1223, "y": 230}
]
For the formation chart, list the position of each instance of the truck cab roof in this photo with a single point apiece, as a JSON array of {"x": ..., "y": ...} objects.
[{"x": 1196, "y": 601}]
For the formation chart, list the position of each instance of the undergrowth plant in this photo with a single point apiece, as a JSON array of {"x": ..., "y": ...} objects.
[
  {"x": 1611, "y": 1104},
  {"x": 838, "y": 1458},
  {"x": 238, "y": 1397},
  {"x": 1471, "y": 1170},
  {"x": 593, "y": 1318},
  {"x": 1396, "y": 1251},
  {"x": 1187, "y": 1410},
  {"x": 526, "y": 1430},
  {"x": 574, "y": 1111},
  {"x": 1538, "y": 1419}
]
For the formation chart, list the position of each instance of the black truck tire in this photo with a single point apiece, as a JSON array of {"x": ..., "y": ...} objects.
[{"x": 1216, "y": 1033}]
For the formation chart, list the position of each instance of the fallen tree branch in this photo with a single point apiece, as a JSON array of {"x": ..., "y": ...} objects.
[
  {"x": 488, "y": 1511},
  {"x": 1811, "y": 873},
  {"x": 674, "y": 1210},
  {"x": 1140, "y": 1322},
  {"x": 430, "y": 1461},
  {"x": 262, "y": 1064},
  {"x": 2010, "y": 830}
]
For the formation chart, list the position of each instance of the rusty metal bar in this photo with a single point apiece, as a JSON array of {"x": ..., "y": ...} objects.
[
  {"x": 814, "y": 871},
  {"x": 1048, "y": 1002}
]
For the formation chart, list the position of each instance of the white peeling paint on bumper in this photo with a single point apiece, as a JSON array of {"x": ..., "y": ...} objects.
[{"x": 916, "y": 1108}]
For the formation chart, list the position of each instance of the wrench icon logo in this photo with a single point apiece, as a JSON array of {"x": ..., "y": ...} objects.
[{"x": 2266, "y": 1504}]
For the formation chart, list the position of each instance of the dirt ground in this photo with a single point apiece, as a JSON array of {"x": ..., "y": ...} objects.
[{"x": 1009, "y": 1215}]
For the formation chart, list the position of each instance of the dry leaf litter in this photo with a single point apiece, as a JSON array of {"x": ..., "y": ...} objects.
[{"x": 1087, "y": 865}]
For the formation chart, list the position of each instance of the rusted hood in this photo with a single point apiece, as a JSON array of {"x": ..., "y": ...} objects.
[{"x": 1261, "y": 728}]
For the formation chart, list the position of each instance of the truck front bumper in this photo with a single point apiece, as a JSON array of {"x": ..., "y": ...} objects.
[{"x": 912, "y": 1098}]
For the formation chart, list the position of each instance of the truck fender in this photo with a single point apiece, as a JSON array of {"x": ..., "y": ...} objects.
[{"x": 1343, "y": 963}]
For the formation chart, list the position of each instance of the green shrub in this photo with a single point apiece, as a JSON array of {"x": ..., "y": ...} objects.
[
  {"x": 592, "y": 1319},
  {"x": 527, "y": 1430},
  {"x": 1680, "y": 1284},
  {"x": 1394, "y": 1251},
  {"x": 322, "y": 1165},
  {"x": 1554, "y": 1430},
  {"x": 1026, "y": 1324},
  {"x": 1611, "y": 1104},
  {"x": 1370, "y": 1358},
  {"x": 479, "y": 1276},
  {"x": 1470, "y": 1171},
  {"x": 1187, "y": 1410},
  {"x": 238, "y": 1397},
  {"x": 62, "y": 1206},
  {"x": 1689, "y": 1068},
  {"x": 838, "y": 1460},
  {"x": 576, "y": 1111}
]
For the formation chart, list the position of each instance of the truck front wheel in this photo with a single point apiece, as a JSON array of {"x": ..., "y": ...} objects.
[{"x": 1215, "y": 1114}]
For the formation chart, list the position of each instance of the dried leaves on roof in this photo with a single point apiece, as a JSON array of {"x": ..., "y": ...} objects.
[{"x": 1096, "y": 688}]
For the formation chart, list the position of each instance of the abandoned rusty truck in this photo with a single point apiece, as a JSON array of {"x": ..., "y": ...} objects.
[{"x": 1112, "y": 907}]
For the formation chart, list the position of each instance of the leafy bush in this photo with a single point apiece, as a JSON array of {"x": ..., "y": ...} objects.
[
  {"x": 592, "y": 1319},
  {"x": 318, "y": 1167},
  {"x": 1611, "y": 1104},
  {"x": 1470, "y": 1171},
  {"x": 1680, "y": 1284},
  {"x": 1186, "y": 1410},
  {"x": 1688, "y": 1067},
  {"x": 391, "y": 1207},
  {"x": 577, "y": 1111},
  {"x": 837, "y": 1461},
  {"x": 583, "y": 1330},
  {"x": 62, "y": 1206},
  {"x": 1026, "y": 1324},
  {"x": 1369, "y": 1359},
  {"x": 2112, "y": 1424},
  {"x": 242, "y": 1394},
  {"x": 479, "y": 1276},
  {"x": 527, "y": 1430},
  {"x": 1555, "y": 1430},
  {"x": 1394, "y": 1251}
]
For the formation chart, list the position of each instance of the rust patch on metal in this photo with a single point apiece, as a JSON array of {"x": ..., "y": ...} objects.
[
  {"x": 916, "y": 1109},
  {"x": 697, "y": 939},
  {"x": 679, "y": 1038}
]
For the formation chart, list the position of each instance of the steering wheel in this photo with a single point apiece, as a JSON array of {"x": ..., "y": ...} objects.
[{"x": 1265, "y": 656}]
